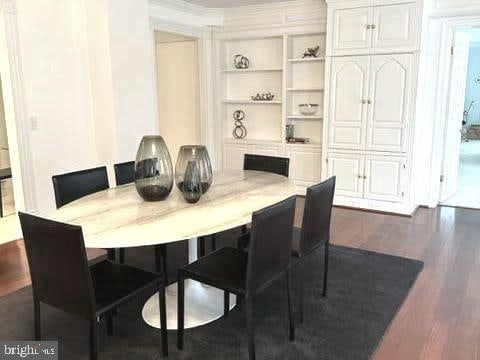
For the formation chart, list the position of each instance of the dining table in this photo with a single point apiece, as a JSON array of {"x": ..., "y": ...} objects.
[{"x": 120, "y": 218}]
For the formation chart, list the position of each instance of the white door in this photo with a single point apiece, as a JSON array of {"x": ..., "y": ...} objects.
[
  {"x": 305, "y": 164},
  {"x": 388, "y": 113},
  {"x": 394, "y": 26},
  {"x": 233, "y": 155},
  {"x": 458, "y": 80},
  {"x": 348, "y": 102},
  {"x": 349, "y": 169},
  {"x": 351, "y": 29},
  {"x": 384, "y": 178}
]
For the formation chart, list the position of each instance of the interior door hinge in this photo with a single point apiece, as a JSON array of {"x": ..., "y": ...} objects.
[
  {"x": 442, "y": 178},
  {"x": 403, "y": 193},
  {"x": 451, "y": 50},
  {"x": 326, "y": 160}
]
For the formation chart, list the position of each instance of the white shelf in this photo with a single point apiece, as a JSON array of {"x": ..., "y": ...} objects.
[
  {"x": 238, "y": 71},
  {"x": 305, "y": 117},
  {"x": 310, "y": 88},
  {"x": 251, "y": 102},
  {"x": 307, "y": 60}
]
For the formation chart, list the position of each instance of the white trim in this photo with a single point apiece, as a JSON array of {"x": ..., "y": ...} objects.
[
  {"x": 189, "y": 8},
  {"x": 20, "y": 151},
  {"x": 8, "y": 6}
]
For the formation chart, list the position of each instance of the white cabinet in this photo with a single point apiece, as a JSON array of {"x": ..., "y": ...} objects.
[
  {"x": 372, "y": 29},
  {"x": 305, "y": 164},
  {"x": 233, "y": 155},
  {"x": 369, "y": 105},
  {"x": 384, "y": 178},
  {"x": 347, "y": 111},
  {"x": 350, "y": 30},
  {"x": 388, "y": 102},
  {"x": 348, "y": 168},
  {"x": 372, "y": 177}
]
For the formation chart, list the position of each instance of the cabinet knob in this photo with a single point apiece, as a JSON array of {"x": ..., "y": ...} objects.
[
  {"x": 369, "y": 102},
  {"x": 364, "y": 101},
  {"x": 369, "y": 26},
  {"x": 373, "y": 26},
  {"x": 364, "y": 176},
  {"x": 359, "y": 176}
]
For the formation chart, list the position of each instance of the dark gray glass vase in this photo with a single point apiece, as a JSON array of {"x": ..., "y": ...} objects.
[
  {"x": 199, "y": 154},
  {"x": 192, "y": 184},
  {"x": 153, "y": 169}
]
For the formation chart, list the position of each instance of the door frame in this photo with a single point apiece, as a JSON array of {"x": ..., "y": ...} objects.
[
  {"x": 15, "y": 112},
  {"x": 441, "y": 30},
  {"x": 205, "y": 66}
]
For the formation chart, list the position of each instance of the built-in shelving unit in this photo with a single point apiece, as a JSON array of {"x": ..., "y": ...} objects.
[{"x": 276, "y": 66}]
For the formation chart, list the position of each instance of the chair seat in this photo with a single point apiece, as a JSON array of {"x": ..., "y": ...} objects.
[
  {"x": 233, "y": 265},
  {"x": 116, "y": 283}
]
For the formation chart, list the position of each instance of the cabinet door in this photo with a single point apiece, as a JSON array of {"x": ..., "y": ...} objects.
[
  {"x": 395, "y": 27},
  {"x": 305, "y": 164},
  {"x": 348, "y": 168},
  {"x": 347, "y": 108},
  {"x": 384, "y": 178},
  {"x": 268, "y": 150},
  {"x": 349, "y": 29},
  {"x": 389, "y": 111},
  {"x": 233, "y": 155}
]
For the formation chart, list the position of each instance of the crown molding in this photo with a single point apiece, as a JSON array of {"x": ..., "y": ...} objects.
[
  {"x": 8, "y": 6},
  {"x": 189, "y": 8}
]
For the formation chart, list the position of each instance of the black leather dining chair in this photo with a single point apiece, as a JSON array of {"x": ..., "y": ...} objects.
[
  {"x": 315, "y": 231},
  {"x": 75, "y": 185},
  {"x": 62, "y": 278},
  {"x": 272, "y": 164},
  {"x": 247, "y": 274},
  {"x": 124, "y": 173}
]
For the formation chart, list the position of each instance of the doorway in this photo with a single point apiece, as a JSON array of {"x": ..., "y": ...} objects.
[
  {"x": 178, "y": 86},
  {"x": 461, "y": 164}
]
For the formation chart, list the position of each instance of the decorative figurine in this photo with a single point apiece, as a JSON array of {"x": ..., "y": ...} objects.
[
  {"x": 311, "y": 52},
  {"x": 240, "y": 131},
  {"x": 263, "y": 97},
  {"x": 241, "y": 62}
]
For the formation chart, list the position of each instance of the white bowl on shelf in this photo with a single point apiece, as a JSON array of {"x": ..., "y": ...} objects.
[{"x": 308, "y": 109}]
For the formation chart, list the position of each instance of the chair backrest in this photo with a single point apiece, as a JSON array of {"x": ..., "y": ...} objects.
[
  {"x": 272, "y": 164},
  {"x": 58, "y": 265},
  {"x": 73, "y": 186},
  {"x": 270, "y": 245},
  {"x": 124, "y": 173},
  {"x": 317, "y": 215}
]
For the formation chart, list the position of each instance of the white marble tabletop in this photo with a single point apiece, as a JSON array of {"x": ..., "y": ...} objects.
[{"x": 119, "y": 217}]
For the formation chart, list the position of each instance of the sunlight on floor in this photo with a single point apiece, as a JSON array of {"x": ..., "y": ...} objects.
[{"x": 468, "y": 193}]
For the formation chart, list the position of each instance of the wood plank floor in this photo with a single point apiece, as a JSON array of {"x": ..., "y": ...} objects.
[{"x": 441, "y": 317}]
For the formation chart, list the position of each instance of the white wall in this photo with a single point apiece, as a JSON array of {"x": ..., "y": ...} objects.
[
  {"x": 57, "y": 90},
  {"x": 4, "y": 158}
]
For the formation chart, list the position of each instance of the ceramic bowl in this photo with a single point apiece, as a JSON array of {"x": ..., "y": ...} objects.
[{"x": 308, "y": 109}]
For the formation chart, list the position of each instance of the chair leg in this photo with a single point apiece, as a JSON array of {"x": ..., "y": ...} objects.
[
  {"x": 109, "y": 317},
  {"x": 226, "y": 303},
  {"x": 36, "y": 314},
  {"x": 111, "y": 254},
  {"x": 214, "y": 243},
  {"x": 161, "y": 261},
  {"x": 201, "y": 246},
  {"x": 290, "y": 308},
  {"x": 122, "y": 255},
  {"x": 325, "y": 270},
  {"x": 94, "y": 339},
  {"x": 180, "y": 310},
  {"x": 1, "y": 204},
  {"x": 163, "y": 319},
  {"x": 244, "y": 229},
  {"x": 250, "y": 329},
  {"x": 301, "y": 290}
]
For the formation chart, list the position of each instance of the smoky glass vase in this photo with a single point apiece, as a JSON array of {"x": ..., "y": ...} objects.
[
  {"x": 199, "y": 154},
  {"x": 192, "y": 184},
  {"x": 153, "y": 169}
]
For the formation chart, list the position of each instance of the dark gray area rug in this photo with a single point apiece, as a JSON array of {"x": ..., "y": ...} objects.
[{"x": 366, "y": 290}]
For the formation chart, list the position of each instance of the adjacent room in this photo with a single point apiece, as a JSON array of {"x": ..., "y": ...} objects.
[{"x": 240, "y": 179}]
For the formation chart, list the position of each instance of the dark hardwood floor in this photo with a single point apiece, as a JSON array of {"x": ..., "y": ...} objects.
[{"x": 441, "y": 317}]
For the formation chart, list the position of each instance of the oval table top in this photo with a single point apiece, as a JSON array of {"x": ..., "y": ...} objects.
[{"x": 119, "y": 217}]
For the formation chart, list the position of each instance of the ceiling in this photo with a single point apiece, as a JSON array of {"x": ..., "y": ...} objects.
[{"x": 229, "y": 3}]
